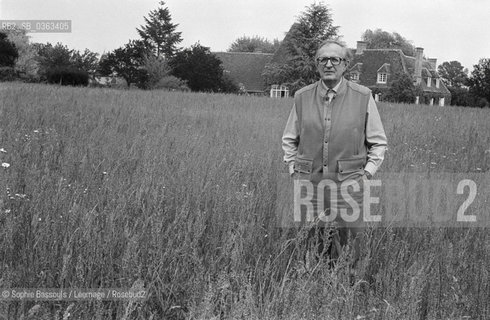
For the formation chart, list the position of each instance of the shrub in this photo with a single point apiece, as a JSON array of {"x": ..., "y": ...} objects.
[
  {"x": 403, "y": 90},
  {"x": 8, "y": 74},
  {"x": 67, "y": 77},
  {"x": 171, "y": 83},
  {"x": 228, "y": 85},
  {"x": 462, "y": 97},
  {"x": 8, "y": 52}
]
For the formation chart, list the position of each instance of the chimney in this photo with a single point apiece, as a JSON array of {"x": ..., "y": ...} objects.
[
  {"x": 361, "y": 46},
  {"x": 419, "y": 54},
  {"x": 433, "y": 63}
]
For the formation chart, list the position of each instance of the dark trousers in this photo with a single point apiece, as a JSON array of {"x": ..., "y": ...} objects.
[{"x": 329, "y": 243}]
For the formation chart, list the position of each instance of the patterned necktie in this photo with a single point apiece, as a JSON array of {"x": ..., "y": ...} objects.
[{"x": 330, "y": 95}]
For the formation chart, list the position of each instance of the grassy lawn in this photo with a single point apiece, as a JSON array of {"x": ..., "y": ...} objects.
[{"x": 176, "y": 192}]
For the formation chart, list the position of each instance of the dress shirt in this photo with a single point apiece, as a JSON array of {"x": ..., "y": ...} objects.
[{"x": 375, "y": 135}]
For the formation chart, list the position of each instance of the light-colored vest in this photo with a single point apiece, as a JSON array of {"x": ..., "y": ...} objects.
[{"x": 347, "y": 150}]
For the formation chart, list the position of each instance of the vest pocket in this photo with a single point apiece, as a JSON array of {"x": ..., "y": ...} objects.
[
  {"x": 351, "y": 167},
  {"x": 303, "y": 167}
]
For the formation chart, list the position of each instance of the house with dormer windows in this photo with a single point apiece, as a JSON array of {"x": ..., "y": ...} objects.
[
  {"x": 378, "y": 68},
  {"x": 373, "y": 68}
]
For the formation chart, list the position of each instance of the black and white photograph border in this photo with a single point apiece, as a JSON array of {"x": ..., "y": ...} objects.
[{"x": 224, "y": 159}]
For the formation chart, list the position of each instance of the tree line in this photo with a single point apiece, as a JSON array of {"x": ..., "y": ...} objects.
[
  {"x": 155, "y": 60},
  {"x": 152, "y": 61}
]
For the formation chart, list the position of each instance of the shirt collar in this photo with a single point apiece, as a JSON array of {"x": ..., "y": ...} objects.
[{"x": 324, "y": 89}]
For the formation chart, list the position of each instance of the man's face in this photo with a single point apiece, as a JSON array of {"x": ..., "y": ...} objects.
[{"x": 330, "y": 73}]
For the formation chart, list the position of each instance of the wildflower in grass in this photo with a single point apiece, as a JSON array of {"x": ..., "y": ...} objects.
[
  {"x": 36, "y": 131},
  {"x": 2, "y": 150},
  {"x": 8, "y": 211},
  {"x": 5, "y": 165}
]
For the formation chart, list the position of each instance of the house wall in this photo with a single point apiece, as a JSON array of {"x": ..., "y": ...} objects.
[{"x": 427, "y": 96}]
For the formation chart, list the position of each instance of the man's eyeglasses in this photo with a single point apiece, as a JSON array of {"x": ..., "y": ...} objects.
[{"x": 333, "y": 60}]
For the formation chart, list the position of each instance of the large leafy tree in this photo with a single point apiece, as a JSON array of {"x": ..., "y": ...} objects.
[
  {"x": 453, "y": 74},
  {"x": 254, "y": 44},
  {"x": 60, "y": 56},
  {"x": 201, "y": 69},
  {"x": 127, "y": 62},
  {"x": 313, "y": 26},
  {"x": 159, "y": 33},
  {"x": 157, "y": 68},
  {"x": 8, "y": 51},
  {"x": 86, "y": 60},
  {"x": 26, "y": 63},
  {"x": 455, "y": 77},
  {"x": 480, "y": 81},
  {"x": 379, "y": 39},
  {"x": 52, "y": 57}
]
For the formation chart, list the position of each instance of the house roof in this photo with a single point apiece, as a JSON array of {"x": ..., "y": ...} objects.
[
  {"x": 377, "y": 60},
  {"x": 427, "y": 71},
  {"x": 245, "y": 68},
  {"x": 385, "y": 68},
  {"x": 357, "y": 67}
]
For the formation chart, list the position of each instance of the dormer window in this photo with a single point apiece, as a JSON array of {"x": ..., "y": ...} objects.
[
  {"x": 437, "y": 82},
  {"x": 429, "y": 81},
  {"x": 355, "y": 72},
  {"x": 383, "y": 73},
  {"x": 382, "y": 77}
]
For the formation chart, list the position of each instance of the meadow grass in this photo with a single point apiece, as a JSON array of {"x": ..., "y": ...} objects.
[{"x": 177, "y": 191}]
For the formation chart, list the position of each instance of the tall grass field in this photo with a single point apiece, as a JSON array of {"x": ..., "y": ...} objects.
[{"x": 176, "y": 193}]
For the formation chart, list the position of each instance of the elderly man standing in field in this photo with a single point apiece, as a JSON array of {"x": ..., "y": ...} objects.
[{"x": 334, "y": 132}]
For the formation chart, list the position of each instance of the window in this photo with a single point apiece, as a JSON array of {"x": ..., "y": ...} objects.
[
  {"x": 382, "y": 77},
  {"x": 354, "y": 76},
  {"x": 429, "y": 81},
  {"x": 279, "y": 91}
]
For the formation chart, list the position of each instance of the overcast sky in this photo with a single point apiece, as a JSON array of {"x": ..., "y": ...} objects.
[{"x": 446, "y": 29}]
